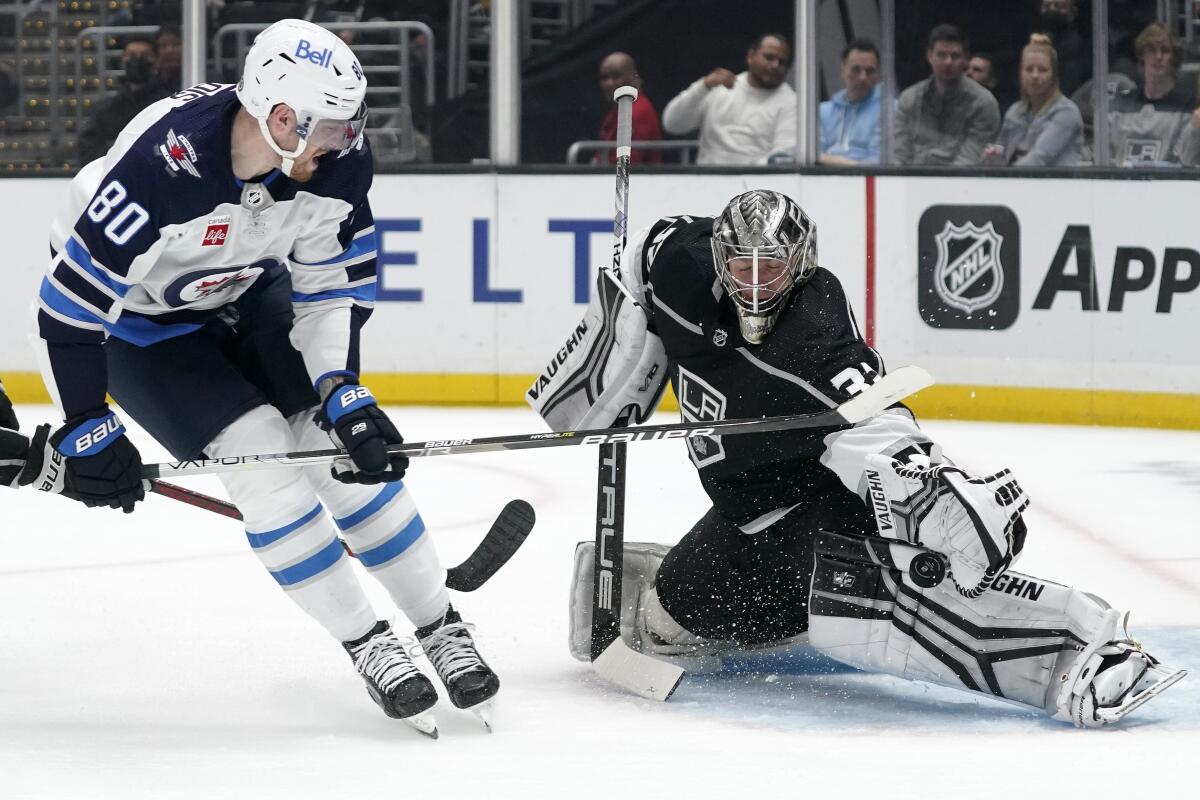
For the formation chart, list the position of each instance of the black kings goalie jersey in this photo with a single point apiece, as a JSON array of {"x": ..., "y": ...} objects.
[{"x": 813, "y": 360}]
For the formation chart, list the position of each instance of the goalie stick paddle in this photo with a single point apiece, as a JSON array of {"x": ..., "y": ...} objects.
[
  {"x": 892, "y": 387},
  {"x": 502, "y": 540}
]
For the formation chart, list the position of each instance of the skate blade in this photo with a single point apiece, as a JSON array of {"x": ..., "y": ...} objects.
[
  {"x": 484, "y": 713},
  {"x": 1153, "y": 691},
  {"x": 423, "y": 723}
]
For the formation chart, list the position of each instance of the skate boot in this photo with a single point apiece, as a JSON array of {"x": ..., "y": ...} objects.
[
  {"x": 393, "y": 680},
  {"x": 469, "y": 681},
  {"x": 1111, "y": 678}
]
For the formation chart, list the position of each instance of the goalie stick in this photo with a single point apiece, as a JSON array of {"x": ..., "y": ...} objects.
[
  {"x": 611, "y": 657},
  {"x": 502, "y": 540},
  {"x": 889, "y": 389}
]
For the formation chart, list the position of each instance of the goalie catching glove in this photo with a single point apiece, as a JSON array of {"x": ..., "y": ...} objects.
[{"x": 975, "y": 522}]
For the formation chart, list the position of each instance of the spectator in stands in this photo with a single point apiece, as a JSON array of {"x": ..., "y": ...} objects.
[
  {"x": 1146, "y": 124},
  {"x": 1058, "y": 20},
  {"x": 616, "y": 70},
  {"x": 748, "y": 118},
  {"x": 1043, "y": 128},
  {"x": 946, "y": 119},
  {"x": 169, "y": 45},
  {"x": 850, "y": 121},
  {"x": 982, "y": 69},
  {"x": 139, "y": 88}
]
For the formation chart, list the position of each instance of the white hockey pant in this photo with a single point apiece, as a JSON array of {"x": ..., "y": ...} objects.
[{"x": 1018, "y": 640}]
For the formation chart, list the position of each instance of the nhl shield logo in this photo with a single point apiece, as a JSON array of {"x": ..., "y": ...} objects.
[
  {"x": 969, "y": 267},
  {"x": 720, "y": 337},
  {"x": 967, "y": 275}
]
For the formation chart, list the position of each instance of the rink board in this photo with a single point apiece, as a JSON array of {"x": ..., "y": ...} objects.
[{"x": 1051, "y": 300}]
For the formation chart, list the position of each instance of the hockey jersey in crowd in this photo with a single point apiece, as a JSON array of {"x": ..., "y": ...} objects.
[
  {"x": 1146, "y": 132},
  {"x": 157, "y": 237}
]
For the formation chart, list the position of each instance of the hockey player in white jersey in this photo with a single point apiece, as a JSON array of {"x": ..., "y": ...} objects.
[
  {"x": 867, "y": 540},
  {"x": 213, "y": 273}
]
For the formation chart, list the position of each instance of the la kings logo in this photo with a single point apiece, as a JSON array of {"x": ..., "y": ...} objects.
[
  {"x": 969, "y": 259},
  {"x": 699, "y": 402}
]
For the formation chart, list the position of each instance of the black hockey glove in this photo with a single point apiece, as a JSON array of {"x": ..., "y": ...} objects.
[
  {"x": 360, "y": 426},
  {"x": 88, "y": 459},
  {"x": 13, "y": 449},
  {"x": 8, "y": 417}
]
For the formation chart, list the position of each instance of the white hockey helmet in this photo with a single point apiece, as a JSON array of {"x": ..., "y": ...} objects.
[
  {"x": 314, "y": 72},
  {"x": 773, "y": 245}
]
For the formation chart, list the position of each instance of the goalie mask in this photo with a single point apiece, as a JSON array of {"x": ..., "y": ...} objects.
[
  {"x": 309, "y": 69},
  {"x": 764, "y": 246}
]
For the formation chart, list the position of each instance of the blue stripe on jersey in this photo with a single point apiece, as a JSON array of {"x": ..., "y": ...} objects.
[
  {"x": 64, "y": 305},
  {"x": 362, "y": 246},
  {"x": 366, "y": 292},
  {"x": 82, "y": 288},
  {"x": 144, "y": 331},
  {"x": 77, "y": 253},
  {"x": 404, "y": 539},
  {"x": 389, "y": 491},
  {"x": 265, "y": 538},
  {"x": 312, "y": 566}
]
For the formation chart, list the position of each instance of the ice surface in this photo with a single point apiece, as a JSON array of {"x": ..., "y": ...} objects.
[{"x": 151, "y": 656}]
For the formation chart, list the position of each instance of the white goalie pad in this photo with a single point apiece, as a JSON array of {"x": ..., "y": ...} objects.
[
  {"x": 1025, "y": 639},
  {"x": 610, "y": 366},
  {"x": 640, "y": 566}
]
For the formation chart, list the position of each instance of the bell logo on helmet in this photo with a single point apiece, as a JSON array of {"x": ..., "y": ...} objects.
[{"x": 305, "y": 51}]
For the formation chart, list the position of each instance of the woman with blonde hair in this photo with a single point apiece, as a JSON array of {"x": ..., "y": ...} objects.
[{"x": 1044, "y": 128}]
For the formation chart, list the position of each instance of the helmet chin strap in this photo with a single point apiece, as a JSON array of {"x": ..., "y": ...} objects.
[{"x": 289, "y": 159}]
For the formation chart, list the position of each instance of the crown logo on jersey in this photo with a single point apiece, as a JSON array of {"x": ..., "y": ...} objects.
[{"x": 179, "y": 154}]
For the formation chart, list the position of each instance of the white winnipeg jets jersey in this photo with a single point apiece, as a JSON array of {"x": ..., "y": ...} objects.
[{"x": 158, "y": 236}]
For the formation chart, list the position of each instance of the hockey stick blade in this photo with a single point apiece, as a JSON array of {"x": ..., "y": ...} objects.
[
  {"x": 502, "y": 540},
  {"x": 889, "y": 389},
  {"x": 505, "y": 537},
  {"x": 647, "y": 677}
]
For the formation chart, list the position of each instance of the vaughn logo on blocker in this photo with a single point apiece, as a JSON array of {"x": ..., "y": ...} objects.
[{"x": 969, "y": 267}]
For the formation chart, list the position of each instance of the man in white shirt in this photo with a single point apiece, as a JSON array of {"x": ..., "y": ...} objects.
[{"x": 748, "y": 118}]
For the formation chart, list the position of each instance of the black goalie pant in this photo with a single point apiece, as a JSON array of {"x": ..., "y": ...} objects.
[{"x": 722, "y": 583}]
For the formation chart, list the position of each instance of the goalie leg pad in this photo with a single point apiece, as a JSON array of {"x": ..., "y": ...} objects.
[
  {"x": 1009, "y": 642},
  {"x": 640, "y": 566}
]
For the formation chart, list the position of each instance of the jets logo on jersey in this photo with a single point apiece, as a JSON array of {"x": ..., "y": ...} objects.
[
  {"x": 201, "y": 285},
  {"x": 179, "y": 154}
]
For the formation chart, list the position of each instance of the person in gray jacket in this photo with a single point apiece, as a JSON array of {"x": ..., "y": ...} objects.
[
  {"x": 946, "y": 119},
  {"x": 1043, "y": 128}
]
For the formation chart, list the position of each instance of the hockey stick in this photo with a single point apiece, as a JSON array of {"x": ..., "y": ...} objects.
[
  {"x": 611, "y": 657},
  {"x": 889, "y": 389},
  {"x": 502, "y": 540}
]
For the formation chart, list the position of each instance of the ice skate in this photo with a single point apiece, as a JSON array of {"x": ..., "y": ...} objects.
[
  {"x": 469, "y": 681},
  {"x": 393, "y": 680},
  {"x": 1110, "y": 679}
]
